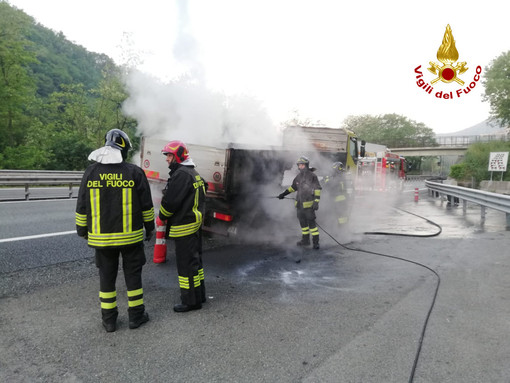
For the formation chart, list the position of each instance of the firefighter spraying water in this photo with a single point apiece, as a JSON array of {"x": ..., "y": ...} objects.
[{"x": 308, "y": 194}]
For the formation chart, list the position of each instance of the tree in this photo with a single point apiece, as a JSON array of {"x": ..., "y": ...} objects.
[
  {"x": 392, "y": 130},
  {"x": 109, "y": 97},
  {"x": 57, "y": 100},
  {"x": 17, "y": 88},
  {"x": 497, "y": 88},
  {"x": 476, "y": 162}
]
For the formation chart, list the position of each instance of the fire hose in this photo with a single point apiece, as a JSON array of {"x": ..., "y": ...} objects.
[
  {"x": 436, "y": 291},
  {"x": 427, "y": 317}
]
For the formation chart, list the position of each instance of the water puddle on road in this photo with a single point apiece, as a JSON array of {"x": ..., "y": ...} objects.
[{"x": 419, "y": 218}]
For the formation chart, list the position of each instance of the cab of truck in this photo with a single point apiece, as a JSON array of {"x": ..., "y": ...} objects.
[{"x": 333, "y": 144}]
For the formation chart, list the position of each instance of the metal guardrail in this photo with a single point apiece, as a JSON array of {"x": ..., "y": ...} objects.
[
  {"x": 28, "y": 178},
  {"x": 485, "y": 199}
]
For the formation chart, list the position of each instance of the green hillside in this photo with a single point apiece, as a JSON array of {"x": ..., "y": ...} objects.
[{"x": 56, "y": 98}]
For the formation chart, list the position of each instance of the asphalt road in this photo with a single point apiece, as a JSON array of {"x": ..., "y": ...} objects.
[{"x": 350, "y": 312}]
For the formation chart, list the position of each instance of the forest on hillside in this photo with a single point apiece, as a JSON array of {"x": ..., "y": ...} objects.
[{"x": 57, "y": 99}]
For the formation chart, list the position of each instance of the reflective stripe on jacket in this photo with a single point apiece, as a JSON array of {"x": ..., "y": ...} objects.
[
  {"x": 308, "y": 189},
  {"x": 114, "y": 204},
  {"x": 183, "y": 202}
]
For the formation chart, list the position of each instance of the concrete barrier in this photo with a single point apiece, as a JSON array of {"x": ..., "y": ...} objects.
[{"x": 501, "y": 187}]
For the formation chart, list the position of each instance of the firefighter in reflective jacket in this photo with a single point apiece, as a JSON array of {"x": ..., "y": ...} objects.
[
  {"x": 113, "y": 207},
  {"x": 182, "y": 207},
  {"x": 338, "y": 186},
  {"x": 308, "y": 189}
]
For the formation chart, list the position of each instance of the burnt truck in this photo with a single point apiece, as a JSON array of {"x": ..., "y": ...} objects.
[{"x": 240, "y": 178}]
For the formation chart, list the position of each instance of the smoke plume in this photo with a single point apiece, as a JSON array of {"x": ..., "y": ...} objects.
[{"x": 186, "y": 109}]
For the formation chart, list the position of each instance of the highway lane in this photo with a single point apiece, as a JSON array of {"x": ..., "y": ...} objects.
[
  {"x": 39, "y": 233},
  {"x": 274, "y": 313}
]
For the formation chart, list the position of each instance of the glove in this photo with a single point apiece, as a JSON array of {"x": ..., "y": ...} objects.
[
  {"x": 282, "y": 195},
  {"x": 148, "y": 235},
  {"x": 315, "y": 205},
  {"x": 159, "y": 222}
]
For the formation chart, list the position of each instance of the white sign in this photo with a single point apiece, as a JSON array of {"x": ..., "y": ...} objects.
[{"x": 498, "y": 161}]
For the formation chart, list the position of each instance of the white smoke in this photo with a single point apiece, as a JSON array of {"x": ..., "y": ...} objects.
[{"x": 186, "y": 109}]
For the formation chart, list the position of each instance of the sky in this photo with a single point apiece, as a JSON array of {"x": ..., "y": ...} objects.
[{"x": 270, "y": 59}]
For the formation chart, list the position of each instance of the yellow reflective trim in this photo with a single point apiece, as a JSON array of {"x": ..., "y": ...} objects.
[
  {"x": 307, "y": 204},
  {"x": 305, "y": 230},
  {"x": 134, "y": 293},
  {"x": 95, "y": 210},
  {"x": 81, "y": 219},
  {"x": 108, "y": 306},
  {"x": 317, "y": 192},
  {"x": 148, "y": 215},
  {"x": 290, "y": 189},
  {"x": 105, "y": 295},
  {"x": 182, "y": 230},
  {"x": 196, "y": 280},
  {"x": 115, "y": 239},
  {"x": 127, "y": 213},
  {"x": 198, "y": 213},
  {"x": 183, "y": 282},
  {"x": 138, "y": 302},
  {"x": 201, "y": 273},
  {"x": 165, "y": 212},
  {"x": 342, "y": 220},
  {"x": 130, "y": 210},
  {"x": 339, "y": 198}
]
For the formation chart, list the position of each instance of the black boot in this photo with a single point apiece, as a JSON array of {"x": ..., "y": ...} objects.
[
  {"x": 137, "y": 320},
  {"x": 110, "y": 326},
  {"x": 316, "y": 242},
  {"x": 182, "y": 308},
  {"x": 305, "y": 240},
  {"x": 109, "y": 317}
]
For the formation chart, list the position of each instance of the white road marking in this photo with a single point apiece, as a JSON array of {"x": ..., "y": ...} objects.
[{"x": 37, "y": 236}]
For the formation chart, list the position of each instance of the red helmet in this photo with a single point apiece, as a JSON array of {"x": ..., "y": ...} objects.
[{"x": 178, "y": 149}]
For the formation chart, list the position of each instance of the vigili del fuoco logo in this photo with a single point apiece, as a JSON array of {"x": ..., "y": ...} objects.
[{"x": 448, "y": 71}]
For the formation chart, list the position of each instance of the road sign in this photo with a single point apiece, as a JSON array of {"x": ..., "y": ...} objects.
[{"x": 498, "y": 161}]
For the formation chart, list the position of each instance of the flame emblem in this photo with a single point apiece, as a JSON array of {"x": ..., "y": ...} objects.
[{"x": 448, "y": 55}]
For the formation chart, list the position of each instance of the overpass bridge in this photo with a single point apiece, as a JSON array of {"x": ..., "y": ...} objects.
[
  {"x": 450, "y": 145},
  {"x": 431, "y": 151}
]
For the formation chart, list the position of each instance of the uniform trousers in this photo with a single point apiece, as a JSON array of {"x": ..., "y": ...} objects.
[
  {"x": 307, "y": 222},
  {"x": 188, "y": 254},
  {"x": 107, "y": 260}
]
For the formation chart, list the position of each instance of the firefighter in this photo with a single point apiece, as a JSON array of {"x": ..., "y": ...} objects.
[
  {"x": 308, "y": 189},
  {"x": 182, "y": 210},
  {"x": 114, "y": 206},
  {"x": 339, "y": 186}
]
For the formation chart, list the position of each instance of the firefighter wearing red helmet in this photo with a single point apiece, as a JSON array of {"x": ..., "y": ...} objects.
[
  {"x": 114, "y": 206},
  {"x": 308, "y": 195},
  {"x": 182, "y": 207}
]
